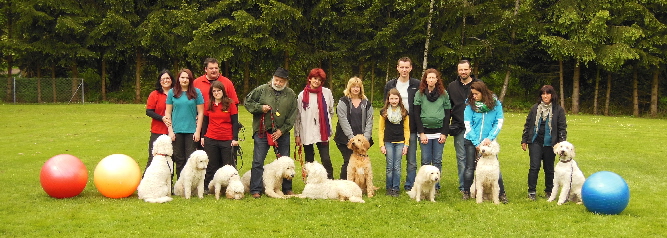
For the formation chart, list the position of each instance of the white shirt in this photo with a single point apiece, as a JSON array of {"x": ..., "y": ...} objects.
[
  {"x": 403, "y": 90},
  {"x": 307, "y": 125}
]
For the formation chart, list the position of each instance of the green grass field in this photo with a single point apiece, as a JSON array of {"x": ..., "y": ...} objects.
[{"x": 31, "y": 134}]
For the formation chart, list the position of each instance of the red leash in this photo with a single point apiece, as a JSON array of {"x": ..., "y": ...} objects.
[
  {"x": 263, "y": 133},
  {"x": 303, "y": 169}
]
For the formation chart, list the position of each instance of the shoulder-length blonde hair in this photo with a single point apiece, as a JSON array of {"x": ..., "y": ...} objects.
[{"x": 354, "y": 81}]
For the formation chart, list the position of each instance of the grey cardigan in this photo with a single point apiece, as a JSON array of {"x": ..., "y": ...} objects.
[{"x": 343, "y": 129}]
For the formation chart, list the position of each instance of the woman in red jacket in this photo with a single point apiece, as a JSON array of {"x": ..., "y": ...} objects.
[{"x": 155, "y": 107}]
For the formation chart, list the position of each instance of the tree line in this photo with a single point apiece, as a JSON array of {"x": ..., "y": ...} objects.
[{"x": 603, "y": 56}]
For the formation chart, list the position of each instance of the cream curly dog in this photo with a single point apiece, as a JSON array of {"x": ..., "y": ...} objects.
[
  {"x": 487, "y": 172},
  {"x": 274, "y": 173},
  {"x": 155, "y": 187},
  {"x": 319, "y": 187},
  {"x": 221, "y": 179},
  {"x": 427, "y": 177},
  {"x": 359, "y": 168},
  {"x": 192, "y": 176},
  {"x": 567, "y": 175}
]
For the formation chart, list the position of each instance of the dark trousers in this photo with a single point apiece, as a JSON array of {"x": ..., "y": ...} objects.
[
  {"x": 347, "y": 153},
  {"x": 471, "y": 164},
  {"x": 154, "y": 137},
  {"x": 323, "y": 148},
  {"x": 219, "y": 154},
  {"x": 184, "y": 145},
  {"x": 261, "y": 148},
  {"x": 544, "y": 155}
]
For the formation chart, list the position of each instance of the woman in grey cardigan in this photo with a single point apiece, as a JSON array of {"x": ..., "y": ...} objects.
[
  {"x": 355, "y": 116},
  {"x": 545, "y": 126}
]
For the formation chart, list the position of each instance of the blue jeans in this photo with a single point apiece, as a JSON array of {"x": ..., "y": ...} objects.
[
  {"x": 394, "y": 155},
  {"x": 432, "y": 155},
  {"x": 471, "y": 165},
  {"x": 260, "y": 150},
  {"x": 411, "y": 170},
  {"x": 460, "y": 157}
]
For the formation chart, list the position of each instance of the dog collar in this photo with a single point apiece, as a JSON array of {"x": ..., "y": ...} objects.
[
  {"x": 162, "y": 154},
  {"x": 361, "y": 155},
  {"x": 566, "y": 161}
]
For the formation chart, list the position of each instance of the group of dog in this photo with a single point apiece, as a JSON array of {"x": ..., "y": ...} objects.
[{"x": 155, "y": 187}]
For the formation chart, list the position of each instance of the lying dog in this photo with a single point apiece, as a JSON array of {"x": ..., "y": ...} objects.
[
  {"x": 487, "y": 172},
  {"x": 319, "y": 187},
  {"x": 359, "y": 168},
  {"x": 221, "y": 179},
  {"x": 567, "y": 175},
  {"x": 274, "y": 173},
  {"x": 424, "y": 188},
  {"x": 155, "y": 187},
  {"x": 192, "y": 176},
  {"x": 235, "y": 188}
]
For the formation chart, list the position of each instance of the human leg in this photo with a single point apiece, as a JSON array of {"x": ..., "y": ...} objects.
[
  {"x": 284, "y": 149},
  {"x": 389, "y": 147},
  {"x": 460, "y": 158},
  {"x": 396, "y": 170},
  {"x": 548, "y": 159},
  {"x": 437, "y": 157},
  {"x": 309, "y": 153},
  {"x": 323, "y": 148},
  {"x": 212, "y": 149},
  {"x": 411, "y": 163},
  {"x": 179, "y": 156},
  {"x": 346, "y": 153},
  {"x": 470, "y": 165},
  {"x": 261, "y": 148},
  {"x": 535, "y": 154}
]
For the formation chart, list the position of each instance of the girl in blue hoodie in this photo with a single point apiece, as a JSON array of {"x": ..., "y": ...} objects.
[{"x": 483, "y": 119}]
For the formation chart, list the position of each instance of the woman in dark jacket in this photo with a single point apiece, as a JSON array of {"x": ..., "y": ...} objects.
[{"x": 545, "y": 127}]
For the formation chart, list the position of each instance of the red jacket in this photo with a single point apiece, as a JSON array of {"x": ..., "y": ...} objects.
[{"x": 204, "y": 85}]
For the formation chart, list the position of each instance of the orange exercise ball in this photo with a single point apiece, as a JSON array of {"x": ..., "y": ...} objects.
[{"x": 117, "y": 176}]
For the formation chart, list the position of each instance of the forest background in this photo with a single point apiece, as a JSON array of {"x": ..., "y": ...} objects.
[{"x": 604, "y": 57}]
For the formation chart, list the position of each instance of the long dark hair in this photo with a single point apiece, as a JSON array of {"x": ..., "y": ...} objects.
[
  {"x": 226, "y": 101},
  {"x": 487, "y": 95},
  {"x": 158, "y": 85},
  {"x": 192, "y": 94},
  {"x": 549, "y": 90},
  {"x": 439, "y": 86},
  {"x": 393, "y": 91}
]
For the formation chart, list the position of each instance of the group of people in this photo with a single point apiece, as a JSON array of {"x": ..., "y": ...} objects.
[{"x": 415, "y": 112}]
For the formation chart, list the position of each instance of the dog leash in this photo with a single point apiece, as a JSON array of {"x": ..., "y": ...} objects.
[{"x": 300, "y": 157}]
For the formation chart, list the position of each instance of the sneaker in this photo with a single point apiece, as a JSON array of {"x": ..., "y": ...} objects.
[
  {"x": 531, "y": 196},
  {"x": 389, "y": 192},
  {"x": 394, "y": 193},
  {"x": 466, "y": 195},
  {"x": 503, "y": 198}
]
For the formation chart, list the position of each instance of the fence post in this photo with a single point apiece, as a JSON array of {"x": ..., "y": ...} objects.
[
  {"x": 83, "y": 93},
  {"x": 14, "y": 89}
]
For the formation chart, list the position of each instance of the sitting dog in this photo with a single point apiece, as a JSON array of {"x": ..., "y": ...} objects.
[
  {"x": 359, "y": 168},
  {"x": 319, "y": 187},
  {"x": 567, "y": 175},
  {"x": 487, "y": 173},
  {"x": 235, "y": 188},
  {"x": 155, "y": 187},
  {"x": 221, "y": 179},
  {"x": 274, "y": 173},
  {"x": 427, "y": 177},
  {"x": 192, "y": 176}
]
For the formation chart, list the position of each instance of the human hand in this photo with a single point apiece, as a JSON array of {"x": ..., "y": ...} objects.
[
  {"x": 173, "y": 136},
  {"x": 297, "y": 140},
  {"x": 166, "y": 120},
  {"x": 524, "y": 146},
  {"x": 442, "y": 139},
  {"x": 202, "y": 142},
  {"x": 423, "y": 139},
  {"x": 276, "y": 135},
  {"x": 195, "y": 137},
  {"x": 383, "y": 150},
  {"x": 234, "y": 143},
  {"x": 266, "y": 108},
  {"x": 405, "y": 150},
  {"x": 485, "y": 142}
]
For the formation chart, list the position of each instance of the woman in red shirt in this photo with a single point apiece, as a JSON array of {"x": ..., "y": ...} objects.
[
  {"x": 155, "y": 107},
  {"x": 220, "y": 130}
]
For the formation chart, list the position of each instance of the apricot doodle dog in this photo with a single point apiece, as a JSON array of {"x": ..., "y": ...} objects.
[{"x": 359, "y": 169}]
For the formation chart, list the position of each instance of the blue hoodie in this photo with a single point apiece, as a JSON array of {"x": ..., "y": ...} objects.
[{"x": 480, "y": 126}]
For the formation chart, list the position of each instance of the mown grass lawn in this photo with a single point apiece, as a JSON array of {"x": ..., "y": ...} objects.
[{"x": 631, "y": 147}]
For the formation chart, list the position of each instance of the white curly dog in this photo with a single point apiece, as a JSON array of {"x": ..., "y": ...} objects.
[
  {"x": 424, "y": 187},
  {"x": 235, "y": 189},
  {"x": 221, "y": 179},
  {"x": 487, "y": 172},
  {"x": 567, "y": 175},
  {"x": 192, "y": 176},
  {"x": 274, "y": 173},
  {"x": 155, "y": 187},
  {"x": 319, "y": 187}
]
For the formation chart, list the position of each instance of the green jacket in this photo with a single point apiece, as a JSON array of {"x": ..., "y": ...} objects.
[
  {"x": 283, "y": 107},
  {"x": 432, "y": 113}
]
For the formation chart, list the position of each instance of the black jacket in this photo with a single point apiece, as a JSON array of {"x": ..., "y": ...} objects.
[
  {"x": 558, "y": 125},
  {"x": 458, "y": 93},
  {"x": 412, "y": 89}
]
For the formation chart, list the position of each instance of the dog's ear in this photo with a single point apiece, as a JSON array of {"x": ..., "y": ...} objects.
[
  {"x": 349, "y": 143},
  {"x": 556, "y": 148}
]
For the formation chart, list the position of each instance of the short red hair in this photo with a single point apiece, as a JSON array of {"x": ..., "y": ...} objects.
[{"x": 316, "y": 72}]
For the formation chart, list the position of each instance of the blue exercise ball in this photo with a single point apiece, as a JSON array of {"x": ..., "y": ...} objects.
[{"x": 605, "y": 193}]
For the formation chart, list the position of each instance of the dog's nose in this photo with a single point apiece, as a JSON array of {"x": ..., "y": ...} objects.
[{"x": 292, "y": 175}]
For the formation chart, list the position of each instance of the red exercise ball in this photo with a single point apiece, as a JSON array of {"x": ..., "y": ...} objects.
[
  {"x": 117, "y": 176},
  {"x": 63, "y": 176}
]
